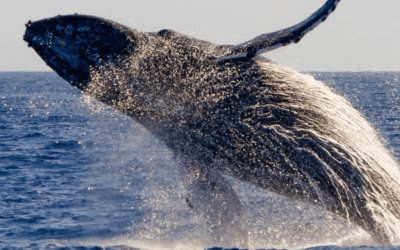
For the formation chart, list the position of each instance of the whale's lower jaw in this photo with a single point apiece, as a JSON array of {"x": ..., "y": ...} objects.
[{"x": 78, "y": 76}]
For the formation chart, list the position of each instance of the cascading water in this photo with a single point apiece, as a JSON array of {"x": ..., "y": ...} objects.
[{"x": 223, "y": 111}]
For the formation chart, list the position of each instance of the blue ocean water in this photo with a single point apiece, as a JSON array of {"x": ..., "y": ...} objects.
[{"x": 75, "y": 174}]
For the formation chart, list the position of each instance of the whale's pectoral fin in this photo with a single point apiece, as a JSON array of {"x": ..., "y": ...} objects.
[
  {"x": 213, "y": 198},
  {"x": 275, "y": 40}
]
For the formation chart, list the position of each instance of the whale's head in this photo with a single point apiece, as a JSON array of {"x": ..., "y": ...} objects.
[
  {"x": 154, "y": 77},
  {"x": 145, "y": 75},
  {"x": 72, "y": 45}
]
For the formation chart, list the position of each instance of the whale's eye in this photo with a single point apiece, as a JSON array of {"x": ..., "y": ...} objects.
[{"x": 103, "y": 49}]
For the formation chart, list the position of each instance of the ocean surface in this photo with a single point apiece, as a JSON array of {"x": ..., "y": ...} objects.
[{"x": 75, "y": 174}]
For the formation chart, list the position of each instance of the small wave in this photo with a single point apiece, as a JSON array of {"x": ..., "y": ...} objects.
[{"x": 64, "y": 145}]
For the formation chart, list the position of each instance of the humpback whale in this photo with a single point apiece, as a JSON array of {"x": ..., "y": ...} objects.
[{"x": 225, "y": 110}]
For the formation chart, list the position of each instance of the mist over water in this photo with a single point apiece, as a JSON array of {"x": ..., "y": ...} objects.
[{"x": 77, "y": 173}]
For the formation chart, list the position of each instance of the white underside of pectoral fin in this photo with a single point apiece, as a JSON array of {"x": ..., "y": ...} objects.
[{"x": 215, "y": 201}]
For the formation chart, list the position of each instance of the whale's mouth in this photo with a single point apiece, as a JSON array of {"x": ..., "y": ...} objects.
[
  {"x": 77, "y": 75},
  {"x": 74, "y": 45}
]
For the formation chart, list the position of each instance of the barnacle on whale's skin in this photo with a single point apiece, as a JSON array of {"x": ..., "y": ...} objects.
[{"x": 222, "y": 109}]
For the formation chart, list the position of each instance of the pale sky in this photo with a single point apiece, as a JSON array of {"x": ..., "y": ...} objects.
[{"x": 361, "y": 35}]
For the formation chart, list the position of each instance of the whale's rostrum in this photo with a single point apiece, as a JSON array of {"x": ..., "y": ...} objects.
[{"x": 223, "y": 109}]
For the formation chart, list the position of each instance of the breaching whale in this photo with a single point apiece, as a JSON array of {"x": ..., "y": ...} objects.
[{"x": 225, "y": 110}]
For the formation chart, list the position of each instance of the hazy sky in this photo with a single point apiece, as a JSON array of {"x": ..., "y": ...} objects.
[{"x": 359, "y": 35}]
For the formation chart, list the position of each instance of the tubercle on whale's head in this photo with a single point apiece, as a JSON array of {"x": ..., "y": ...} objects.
[{"x": 74, "y": 44}]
